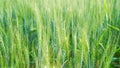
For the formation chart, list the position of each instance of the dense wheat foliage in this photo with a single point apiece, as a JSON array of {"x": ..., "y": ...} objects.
[{"x": 59, "y": 33}]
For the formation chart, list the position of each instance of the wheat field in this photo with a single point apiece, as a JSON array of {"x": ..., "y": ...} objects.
[{"x": 59, "y": 33}]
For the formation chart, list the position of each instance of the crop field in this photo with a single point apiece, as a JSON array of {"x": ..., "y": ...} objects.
[{"x": 59, "y": 33}]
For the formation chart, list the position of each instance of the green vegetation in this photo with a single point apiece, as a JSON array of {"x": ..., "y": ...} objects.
[{"x": 59, "y": 33}]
